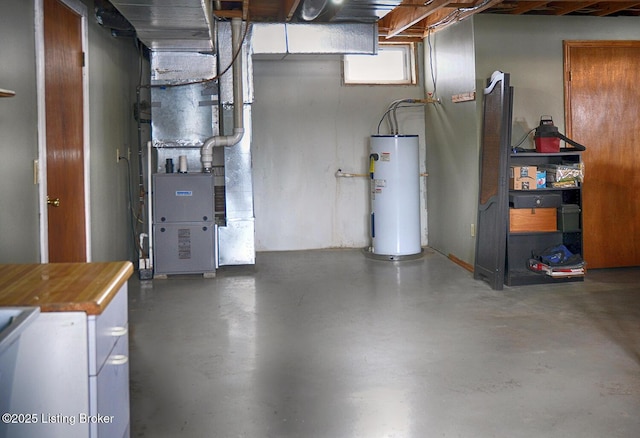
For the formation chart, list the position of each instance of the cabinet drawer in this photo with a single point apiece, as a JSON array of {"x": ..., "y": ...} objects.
[
  {"x": 105, "y": 330},
  {"x": 535, "y": 200},
  {"x": 111, "y": 400},
  {"x": 532, "y": 219}
]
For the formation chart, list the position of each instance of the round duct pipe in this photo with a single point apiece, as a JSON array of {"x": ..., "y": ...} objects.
[{"x": 311, "y": 9}]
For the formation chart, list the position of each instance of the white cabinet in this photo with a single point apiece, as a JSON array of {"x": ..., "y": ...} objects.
[
  {"x": 109, "y": 369},
  {"x": 72, "y": 375},
  {"x": 110, "y": 391}
]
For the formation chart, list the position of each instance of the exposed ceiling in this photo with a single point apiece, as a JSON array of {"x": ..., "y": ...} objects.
[
  {"x": 184, "y": 25},
  {"x": 413, "y": 19}
]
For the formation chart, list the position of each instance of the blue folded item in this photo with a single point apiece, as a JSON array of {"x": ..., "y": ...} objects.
[{"x": 557, "y": 256}]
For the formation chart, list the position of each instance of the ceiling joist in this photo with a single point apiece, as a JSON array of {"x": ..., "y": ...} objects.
[
  {"x": 290, "y": 7},
  {"x": 408, "y": 14},
  {"x": 612, "y": 8},
  {"x": 413, "y": 19},
  {"x": 446, "y": 16},
  {"x": 566, "y": 8},
  {"x": 523, "y": 7}
]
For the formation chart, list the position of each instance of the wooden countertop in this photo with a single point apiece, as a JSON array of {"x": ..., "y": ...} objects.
[{"x": 63, "y": 287}]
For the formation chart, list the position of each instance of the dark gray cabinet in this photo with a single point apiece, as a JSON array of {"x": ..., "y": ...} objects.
[
  {"x": 516, "y": 219},
  {"x": 532, "y": 234}
]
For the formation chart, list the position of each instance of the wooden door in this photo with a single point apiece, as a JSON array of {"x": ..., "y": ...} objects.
[
  {"x": 602, "y": 99},
  {"x": 63, "y": 60}
]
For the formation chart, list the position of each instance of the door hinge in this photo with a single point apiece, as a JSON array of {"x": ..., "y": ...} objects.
[{"x": 83, "y": 59}]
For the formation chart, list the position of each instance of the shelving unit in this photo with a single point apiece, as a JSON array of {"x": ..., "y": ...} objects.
[{"x": 521, "y": 244}]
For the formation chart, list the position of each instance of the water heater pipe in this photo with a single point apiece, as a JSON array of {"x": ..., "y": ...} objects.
[
  {"x": 390, "y": 113},
  {"x": 206, "y": 152}
]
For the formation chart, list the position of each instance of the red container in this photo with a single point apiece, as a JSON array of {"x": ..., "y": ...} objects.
[
  {"x": 546, "y": 139},
  {"x": 547, "y": 145}
]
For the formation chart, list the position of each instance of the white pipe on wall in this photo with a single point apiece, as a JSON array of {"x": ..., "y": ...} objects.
[
  {"x": 149, "y": 205},
  {"x": 238, "y": 102}
]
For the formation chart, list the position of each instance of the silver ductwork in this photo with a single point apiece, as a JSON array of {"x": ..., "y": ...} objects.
[
  {"x": 189, "y": 110},
  {"x": 365, "y": 10},
  {"x": 277, "y": 40},
  {"x": 237, "y": 237},
  {"x": 354, "y": 11},
  {"x": 170, "y": 25}
]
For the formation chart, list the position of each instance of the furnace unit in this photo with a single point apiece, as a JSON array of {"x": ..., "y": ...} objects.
[{"x": 184, "y": 230}]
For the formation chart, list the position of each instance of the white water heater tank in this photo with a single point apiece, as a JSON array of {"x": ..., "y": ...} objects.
[{"x": 395, "y": 195}]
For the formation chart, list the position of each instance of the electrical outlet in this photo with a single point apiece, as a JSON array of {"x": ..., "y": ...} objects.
[{"x": 117, "y": 155}]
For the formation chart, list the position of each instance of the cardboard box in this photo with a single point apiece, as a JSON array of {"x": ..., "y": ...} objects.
[
  {"x": 532, "y": 220},
  {"x": 523, "y": 178}
]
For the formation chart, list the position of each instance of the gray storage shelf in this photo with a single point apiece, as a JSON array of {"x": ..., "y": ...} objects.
[{"x": 521, "y": 244}]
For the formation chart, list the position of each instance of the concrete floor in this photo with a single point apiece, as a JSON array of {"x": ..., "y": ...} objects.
[{"x": 333, "y": 344}]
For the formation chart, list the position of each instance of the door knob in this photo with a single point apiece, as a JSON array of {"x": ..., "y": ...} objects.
[{"x": 54, "y": 202}]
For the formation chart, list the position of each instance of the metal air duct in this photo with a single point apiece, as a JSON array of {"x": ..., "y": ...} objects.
[
  {"x": 170, "y": 25},
  {"x": 277, "y": 40},
  {"x": 311, "y": 9},
  {"x": 355, "y": 11}
]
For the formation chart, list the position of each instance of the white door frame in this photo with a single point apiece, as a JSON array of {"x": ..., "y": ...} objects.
[{"x": 81, "y": 9}]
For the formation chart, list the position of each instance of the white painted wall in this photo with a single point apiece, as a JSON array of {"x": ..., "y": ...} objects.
[{"x": 306, "y": 126}]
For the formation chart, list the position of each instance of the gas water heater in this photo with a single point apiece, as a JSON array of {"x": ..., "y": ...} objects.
[{"x": 395, "y": 195}]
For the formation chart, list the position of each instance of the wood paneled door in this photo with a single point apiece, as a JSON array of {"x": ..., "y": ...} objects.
[
  {"x": 602, "y": 99},
  {"x": 64, "y": 106}
]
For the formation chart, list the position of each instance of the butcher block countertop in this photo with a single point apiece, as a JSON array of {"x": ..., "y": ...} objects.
[{"x": 63, "y": 287}]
